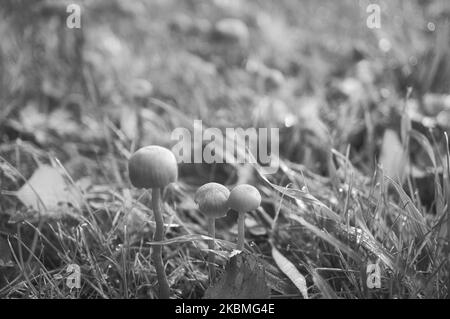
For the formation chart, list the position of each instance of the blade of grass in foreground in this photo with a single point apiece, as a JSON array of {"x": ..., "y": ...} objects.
[
  {"x": 296, "y": 195},
  {"x": 322, "y": 285},
  {"x": 327, "y": 237},
  {"x": 290, "y": 271}
]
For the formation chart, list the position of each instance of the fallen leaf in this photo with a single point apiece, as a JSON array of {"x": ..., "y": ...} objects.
[
  {"x": 244, "y": 278},
  {"x": 47, "y": 190}
]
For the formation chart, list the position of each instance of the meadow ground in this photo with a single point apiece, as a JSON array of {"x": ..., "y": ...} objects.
[{"x": 364, "y": 156}]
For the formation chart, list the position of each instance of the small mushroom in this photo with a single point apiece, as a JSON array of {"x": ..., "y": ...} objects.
[
  {"x": 231, "y": 30},
  {"x": 155, "y": 167},
  {"x": 243, "y": 198},
  {"x": 212, "y": 202}
]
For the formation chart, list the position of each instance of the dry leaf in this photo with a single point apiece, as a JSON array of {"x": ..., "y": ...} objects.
[
  {"x": 244, "y": 278},
  {"x": 47, "y": 190}
]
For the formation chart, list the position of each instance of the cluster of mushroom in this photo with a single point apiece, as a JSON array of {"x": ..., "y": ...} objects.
[
  {"x": 214, "y": 200},
  {"x": 154, "y": 167}
]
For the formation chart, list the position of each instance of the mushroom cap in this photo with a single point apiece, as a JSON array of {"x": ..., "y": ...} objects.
[
  {"x": 231, "y": 29},
  {"x": 244, "y": 198},
  {"x": 152, "y": 167},
  {"x": 211, "y": 199}
]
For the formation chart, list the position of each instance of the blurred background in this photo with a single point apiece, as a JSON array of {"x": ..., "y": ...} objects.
[{"x": 230, "y": 63}]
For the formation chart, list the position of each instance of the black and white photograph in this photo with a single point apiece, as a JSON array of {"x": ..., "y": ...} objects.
[{"x": 224, "y": 157}]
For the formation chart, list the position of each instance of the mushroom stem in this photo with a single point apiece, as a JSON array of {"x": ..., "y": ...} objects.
[
  {"x": 211, "y": 246},
  {"x": 164, "y": 290},
  {"x": 241, "y": 231}
]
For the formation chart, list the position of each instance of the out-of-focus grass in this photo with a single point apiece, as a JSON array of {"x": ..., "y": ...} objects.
[{"x": 138, "y": 69}]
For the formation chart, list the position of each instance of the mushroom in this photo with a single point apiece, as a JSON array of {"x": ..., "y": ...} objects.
[
  {"x": 243, "y": 198},
  {"x": 155, "y": 167},
  {"x": 231, "y": 30},
  {"x": 212, "y": 202}
]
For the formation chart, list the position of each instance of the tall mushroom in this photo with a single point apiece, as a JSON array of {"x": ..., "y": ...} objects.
[
  {"x": 243, "y": 198},
  {"x": 155, "y": 167},
  {"x": 212, "y": 202}
]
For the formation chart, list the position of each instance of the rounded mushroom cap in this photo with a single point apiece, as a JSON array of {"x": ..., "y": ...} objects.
[
  {"x": 152, "y": 167},
  {"x": 212, "y": 199},
  {"x": 244, "y": 198}
]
